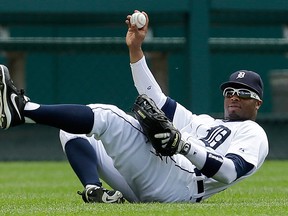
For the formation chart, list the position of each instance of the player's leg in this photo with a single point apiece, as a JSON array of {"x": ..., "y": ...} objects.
[
  {"x": 74, "y": 118},
  {"x": 88, "y": 157},
  {"x": 15, "y": 109},
  {"x": 83, "y": 162},
  {"x": 81, "y": 156}
]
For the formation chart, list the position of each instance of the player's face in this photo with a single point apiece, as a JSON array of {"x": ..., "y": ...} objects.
[{"x": 238, "y": 106}]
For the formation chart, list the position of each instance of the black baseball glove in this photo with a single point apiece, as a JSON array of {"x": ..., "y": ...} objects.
[{"x": 160, "y": 131}]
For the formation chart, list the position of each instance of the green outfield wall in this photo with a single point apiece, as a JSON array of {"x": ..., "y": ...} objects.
[{"x": 67, "y": 51}]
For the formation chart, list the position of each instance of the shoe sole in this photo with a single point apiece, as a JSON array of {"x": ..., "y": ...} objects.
[{"x": 4, "y": 109}]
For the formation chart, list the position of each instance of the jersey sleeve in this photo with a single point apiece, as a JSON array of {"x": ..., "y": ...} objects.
[{"x": 250, "y": 143}]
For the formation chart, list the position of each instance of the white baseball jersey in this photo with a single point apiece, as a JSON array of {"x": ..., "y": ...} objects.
[{"x": 127, "y": 161}]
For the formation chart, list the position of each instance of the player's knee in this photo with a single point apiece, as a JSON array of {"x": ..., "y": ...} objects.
[{"x": 65, "y": 137}]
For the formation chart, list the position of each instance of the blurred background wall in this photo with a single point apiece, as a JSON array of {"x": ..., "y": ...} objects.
[{"x": 67, "y": 51}]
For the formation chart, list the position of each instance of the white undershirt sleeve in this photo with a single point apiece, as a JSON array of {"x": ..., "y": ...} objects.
[
  {"x": 205, "y": 160},
  {"x": 145, "y": 82}
]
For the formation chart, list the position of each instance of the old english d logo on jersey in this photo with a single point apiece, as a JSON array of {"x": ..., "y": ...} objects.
[{"x": 216, "y": 136}]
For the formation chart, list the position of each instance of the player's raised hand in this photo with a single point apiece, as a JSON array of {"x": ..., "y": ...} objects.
[{"x": 135, "y": 38}]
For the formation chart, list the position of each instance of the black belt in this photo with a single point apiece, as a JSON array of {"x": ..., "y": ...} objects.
[{"x": 200, "y": 184}]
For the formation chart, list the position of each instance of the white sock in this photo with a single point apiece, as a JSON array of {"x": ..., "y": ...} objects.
[
  {"x": 30, "y": 106},
  {"x": 88, "y": 186}
]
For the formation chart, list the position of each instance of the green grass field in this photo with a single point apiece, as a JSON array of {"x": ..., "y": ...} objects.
[{"x": 49, "y": 188}]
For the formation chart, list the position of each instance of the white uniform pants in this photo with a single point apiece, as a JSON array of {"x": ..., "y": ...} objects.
[{"x": 126, "y": 161}]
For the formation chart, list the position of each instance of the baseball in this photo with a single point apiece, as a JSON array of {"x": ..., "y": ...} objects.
[{"x": 138, "y": 19}]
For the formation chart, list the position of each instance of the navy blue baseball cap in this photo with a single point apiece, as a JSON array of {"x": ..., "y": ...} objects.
[{"x": 245, "y": 79}]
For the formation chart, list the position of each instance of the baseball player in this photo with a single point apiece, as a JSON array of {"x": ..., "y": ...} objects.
[{"x": 103, "y": 141}]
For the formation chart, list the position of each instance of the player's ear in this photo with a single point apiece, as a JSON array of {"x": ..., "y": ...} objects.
[{"x": 258, "y": 104}]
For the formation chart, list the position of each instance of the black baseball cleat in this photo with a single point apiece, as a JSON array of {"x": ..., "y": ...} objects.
[
  {"x": 96, "y": 194},
  {"x": 12, "y": 101}
]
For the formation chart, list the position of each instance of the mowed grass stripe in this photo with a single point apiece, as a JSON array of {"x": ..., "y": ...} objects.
[{"x": 49, "y": 188}]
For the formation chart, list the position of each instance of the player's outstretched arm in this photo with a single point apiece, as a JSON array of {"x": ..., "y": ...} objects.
[
  {"x": 225, "y": 169},
  {"x": 143, "y": 79}
]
